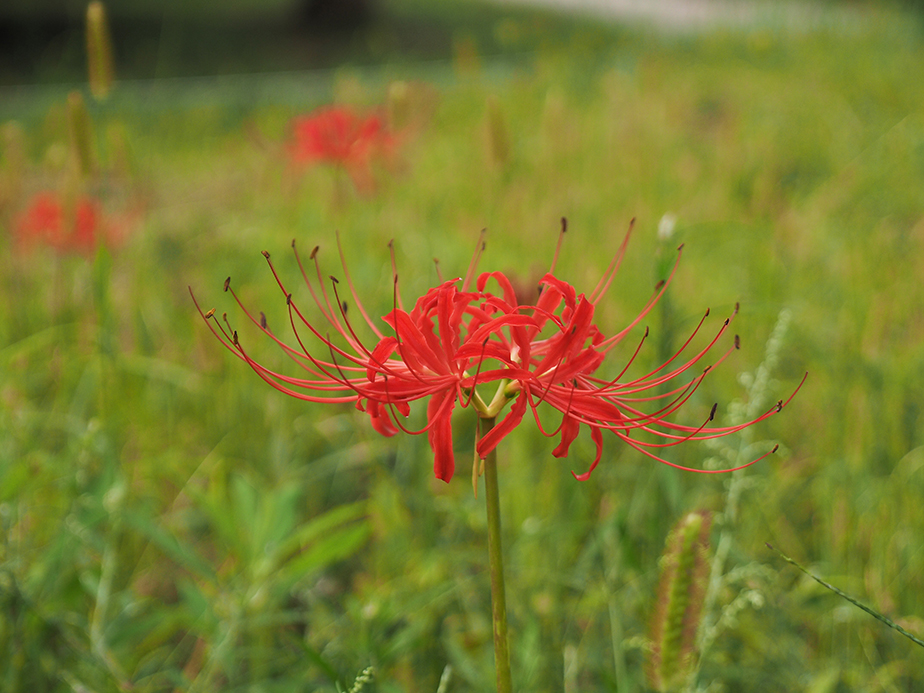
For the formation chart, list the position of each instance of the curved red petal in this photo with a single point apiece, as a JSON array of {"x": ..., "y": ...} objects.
[
  {"x": 439, "y": 418},
  {"x": 381, "y": 419},
  {"x": 491, "y": 439},
  {"x": 569, "y": 431},
  {"x": 597, "y": 436}
]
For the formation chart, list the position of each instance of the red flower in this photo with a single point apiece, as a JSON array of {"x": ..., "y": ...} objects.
[
  {"x": 49, "y": 222},
  {"x": 341, "y": 137},
  {"x": 455, "y": 341}
]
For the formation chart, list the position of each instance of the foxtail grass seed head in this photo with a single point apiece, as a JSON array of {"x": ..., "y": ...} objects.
[
  {"x": 80, "y": 129},
  {"x": 684, "y": 577},
  {"x": 99, "y": 51}
]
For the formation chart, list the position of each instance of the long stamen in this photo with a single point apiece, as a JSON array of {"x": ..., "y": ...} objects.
[
  {"x": 566, "y": 412},
  {"x": 660, "y": 289},
  {"x": 630, "y": 441},
  {"x": 561, "y": 238},
  {"x": 308, "y": 283},
  {"x": 349, "y": 279},
  {"x": 471, "y": 392},
  {"x": 473, "y": 265},
  {"x": 329, "y": 313},
  {"x": 607, "y": 277},
  {"x": 439, "y": 274},
  {"x": 649, "y": 381},
  {"x": 638, "y": 350},
  {"x": 343, "y": 378},
  {"x": 394, "y": 273},
  {"x": 346, "y": 321}
]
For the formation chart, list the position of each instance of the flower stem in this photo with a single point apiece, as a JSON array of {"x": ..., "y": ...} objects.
[{"x": 496, "y": 560}]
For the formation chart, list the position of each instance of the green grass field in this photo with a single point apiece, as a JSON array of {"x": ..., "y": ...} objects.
[{"x": 170, "y": 523}]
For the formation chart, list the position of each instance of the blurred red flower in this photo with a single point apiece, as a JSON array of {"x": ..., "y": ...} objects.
[
  {"x": 455, "y": 341},
  {"x": 341, "y": 137},
  {"x": 48, "y": 221},
  {"x": 78, "y": 227}
]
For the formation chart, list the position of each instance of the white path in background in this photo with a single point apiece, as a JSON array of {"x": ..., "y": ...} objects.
[{"x": 694, "y": 15}]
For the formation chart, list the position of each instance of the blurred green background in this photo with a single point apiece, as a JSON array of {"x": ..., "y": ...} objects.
[{"x": 171, "y": 523}]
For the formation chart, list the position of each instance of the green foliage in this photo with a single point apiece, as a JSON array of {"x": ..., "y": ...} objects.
[{"x": 170, "y": 523}]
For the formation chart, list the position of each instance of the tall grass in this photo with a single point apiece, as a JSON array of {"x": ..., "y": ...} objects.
[{"x": 170, "y": 523}]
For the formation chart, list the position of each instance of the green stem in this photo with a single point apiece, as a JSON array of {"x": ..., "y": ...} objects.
[{"x": 496, "y": 560}]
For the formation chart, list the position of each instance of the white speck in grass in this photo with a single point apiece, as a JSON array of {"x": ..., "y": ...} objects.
[{"x": 666, "y": 227}]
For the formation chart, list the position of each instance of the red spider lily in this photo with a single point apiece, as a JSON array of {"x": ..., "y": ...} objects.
[
  {"x": 341, "y": 137},
  {"x": 454, "y": 341},
  {"x": 50, "y": 222}
]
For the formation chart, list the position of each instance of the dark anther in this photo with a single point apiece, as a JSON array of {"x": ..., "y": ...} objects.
[
  {"x": 288, "y": 299},
  {"x": 343, "y": 307},
  {"x": 736, "y": 308},
  {"x": 234, "y": 339},
  {"x": 266, "y": 254},
  {"x": 775, "y": 448},
  {"x": 646, "y": 332},
  {"x": 227, "y": 283},
  {"x": 564, "y": 225},
  {"x": 210, "y": 314},
  {"x": 539, "y": 290},
  {"x": 737, "y": 342},
  {"x": 712, "y": 413},
  {"x": 659, "y": 285},
  {"x": 396, "y": 278},
  {"x": 334, "y": 279},
  {"x": 779, "y": 406},
  {"x": 314, "y": 252},
  {"x": 224, "y": 316},
  {"x": 680, "y": 247},
  {"x": 293, "y": 244},
  {"x": 727, "y": 320},
  {"x": 707, "y": 312},
  {"x": 262, "y": 319},
  {"x": 391, "y": 243}
]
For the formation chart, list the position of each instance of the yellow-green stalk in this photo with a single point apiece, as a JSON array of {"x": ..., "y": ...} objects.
[
  {"x": 399, "y": 108},
  {"x": 684, "y": 576},
  {"x": 465, "y": 56},
  {"x": 99, "y": 51},
  {"x": 13, "y": 158},
  {"x": 498, "y": 138},
  {"x": 80, "y": 129}
]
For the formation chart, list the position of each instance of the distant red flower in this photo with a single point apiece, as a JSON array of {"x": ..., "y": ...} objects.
[
  {"x": 344, "y": 138},
  {"x": 455, "y": 341},
  {"x": 47, "y": 221}
]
